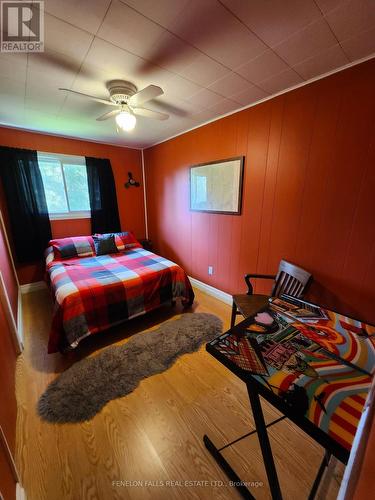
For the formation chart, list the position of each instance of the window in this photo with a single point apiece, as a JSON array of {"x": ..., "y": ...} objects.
[{"x": 65, "y": 185}]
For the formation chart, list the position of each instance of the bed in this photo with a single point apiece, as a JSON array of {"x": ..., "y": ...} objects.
[{"x": 93, "y": 292}]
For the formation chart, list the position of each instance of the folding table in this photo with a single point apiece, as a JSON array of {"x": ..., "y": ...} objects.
[{"x": 317, "y": 375}]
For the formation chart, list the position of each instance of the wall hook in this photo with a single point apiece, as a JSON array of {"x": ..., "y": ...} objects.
[{"x": 131, "y": 182}]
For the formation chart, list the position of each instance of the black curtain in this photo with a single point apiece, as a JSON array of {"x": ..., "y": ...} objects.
[
  {"x": 26, "y": 202},
  {"x": 103, "y": 200}
]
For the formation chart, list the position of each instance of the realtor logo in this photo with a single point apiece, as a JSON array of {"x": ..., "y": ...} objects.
[{"x": 22, "y": 26}]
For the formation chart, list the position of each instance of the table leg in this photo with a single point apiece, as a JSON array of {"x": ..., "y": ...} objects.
[
  {"x": 234, "y": 314},
  {"x": 264, "y": 442},
  {"x": 237, "y": 482},
  {"x": 216, "y": 453},
  {"x": 323, "y": 466}
]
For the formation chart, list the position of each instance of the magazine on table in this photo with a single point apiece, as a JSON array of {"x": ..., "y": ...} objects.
[{"x": 298, "y": 309}]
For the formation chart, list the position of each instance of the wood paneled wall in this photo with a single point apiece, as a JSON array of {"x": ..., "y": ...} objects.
[
  {"x": 8, "y": 358},
  {"x": 8, "y": 406},
  {"x": 123, "y": 160},
  {"x": 7, "y": 271},
  {"x": 7, "y": 481},
  {"x": 308, "y": 192}
]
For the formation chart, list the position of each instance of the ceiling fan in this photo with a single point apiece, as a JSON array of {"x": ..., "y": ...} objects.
[{"x": 128, "y": 101}]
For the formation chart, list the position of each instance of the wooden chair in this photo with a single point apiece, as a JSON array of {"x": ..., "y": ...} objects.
[{"x": 290, "y": 279}]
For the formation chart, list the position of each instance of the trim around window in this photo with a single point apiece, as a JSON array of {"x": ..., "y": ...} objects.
[{"x": 71, "y": 215}]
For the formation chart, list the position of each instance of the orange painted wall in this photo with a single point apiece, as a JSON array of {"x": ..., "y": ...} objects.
[
  {"x": 309, "y": 189},
  {"x": 130, "y": 201}
]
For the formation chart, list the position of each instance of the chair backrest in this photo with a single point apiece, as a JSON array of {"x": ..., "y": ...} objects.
[{"x": 291, "y": 279}]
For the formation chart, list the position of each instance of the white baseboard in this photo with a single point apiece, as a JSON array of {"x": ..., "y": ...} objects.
[
  {"x": 33, "y": 287},
  {"x": 20, "y": 492},
  {"x": 210, "y": 290}
]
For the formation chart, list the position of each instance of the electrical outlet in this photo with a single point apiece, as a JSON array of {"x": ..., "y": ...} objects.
[{"x": 210, "y": 270}]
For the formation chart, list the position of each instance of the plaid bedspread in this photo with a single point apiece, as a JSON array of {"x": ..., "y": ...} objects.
[{"x": 94, "y": 293}]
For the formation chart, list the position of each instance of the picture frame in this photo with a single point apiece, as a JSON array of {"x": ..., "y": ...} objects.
[{"x": 216, "y": 186}]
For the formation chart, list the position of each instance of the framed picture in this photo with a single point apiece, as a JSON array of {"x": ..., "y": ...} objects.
[{"x": 216, "y": 187}]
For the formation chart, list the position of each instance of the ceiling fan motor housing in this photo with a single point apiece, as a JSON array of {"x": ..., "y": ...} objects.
[{"x": 120, "y": 91}]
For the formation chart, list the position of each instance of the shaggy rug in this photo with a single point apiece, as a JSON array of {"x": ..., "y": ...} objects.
[{"x": 83, "y": 389}]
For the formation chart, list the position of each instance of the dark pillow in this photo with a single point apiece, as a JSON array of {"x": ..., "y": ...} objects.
[
  {"x": 105, "y": 244},
  {"x": 124, "y": 241}
]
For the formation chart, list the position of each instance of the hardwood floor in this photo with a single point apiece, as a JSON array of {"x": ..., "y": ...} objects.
[{"x": 154, "y": 434}]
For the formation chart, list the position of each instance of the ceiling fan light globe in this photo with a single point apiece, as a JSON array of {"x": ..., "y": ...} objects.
[{"x": 126, "y": 121}]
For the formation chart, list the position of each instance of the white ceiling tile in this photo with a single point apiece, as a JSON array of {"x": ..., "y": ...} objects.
[
  {"x": 12, "y": 93},
  {"x": 274, "y": 20},
  {"x": 210, "y": 27},
  {"x": 204, "y": 115},
  {"x": 174, "y": 106},
  {"x": 171, "y": 53},
  {"x": 205, "y": 98},
  {"x": 51, "y": 68},
  {"x": 45, "y": 99},
  {"x": 142, "y": 125},
  {"x": 148, "y": 124},
  {"x": 10, "y": 87},
  {"x": 65, "y": 39},
  {"x": 85, "y": 14},
  {"x": 262, "y": 67},
  {"x": 12, "y": 66},
  {"x": 232, "y": 48},
  {"x": 94, "y": 85},
  {"x": 171, "y": 132},
  {"x": 114, "y": 60},
  {"x": 162, "y": 11},
  {"x": 224, "y": 106},
  {"x": 250, "y": 95},
  {"x": 180, "y": 87},
  {"x": 175, "y": 55},
  {"x": 229, "y": 85},
  {"x": 10, "y": 118},
  {"x": 328, "y": 5},
  {"x": 282, "y": 81},
  {"x": 78, "y": 127},
  {"x": 203, "y": 70},
  {"x": 323, "y": 62},
  {"x": 351, "y": 18},
  {"x": 359, "y": 46},
  {"x": 86, "y": 108},
  {"x": 129, "y": 30},
  {"x": 307, "y": 42}
]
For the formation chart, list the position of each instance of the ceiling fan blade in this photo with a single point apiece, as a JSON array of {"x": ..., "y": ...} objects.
[
  {"x": 149, "y": 113},
  {"x": 97, "y": 99},
  {"x": 145, "y": 94},
  {"x": 110, "y": 114}
]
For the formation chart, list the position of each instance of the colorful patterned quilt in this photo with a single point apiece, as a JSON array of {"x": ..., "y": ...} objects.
[{"x": 94, "y": 293}]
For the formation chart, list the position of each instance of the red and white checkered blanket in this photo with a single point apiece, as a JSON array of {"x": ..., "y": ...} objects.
[{"x": 94, "y": 293}]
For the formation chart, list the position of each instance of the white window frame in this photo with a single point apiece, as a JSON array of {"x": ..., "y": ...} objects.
[{"x": 75, "y": 160}]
